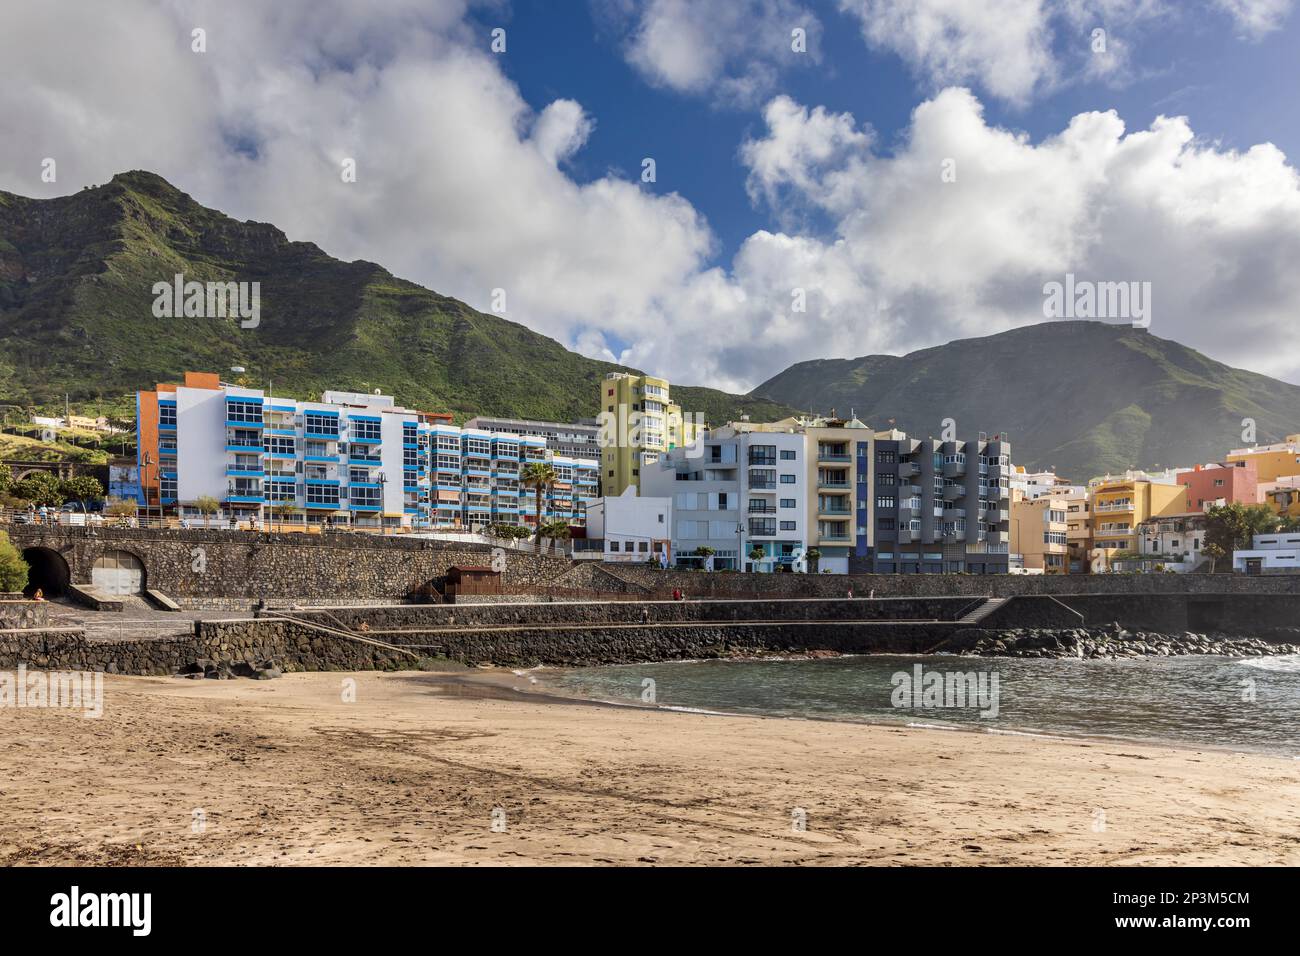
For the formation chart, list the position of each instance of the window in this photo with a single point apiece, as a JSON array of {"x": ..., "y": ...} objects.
[
  {"x": 886, "y": 524},
  {"x": 886, "y": 457},
  {"x": 886, "y": 478},
  {"x": 280, "y": 491},
  {"x": 789, "y": 503},
  {"x": 322, "y": 495},
  {"x": 787, "y": 525},
  {"x": 319, "y": 424},
  {"x": 613, "y": 545},
  {"x": 278, "y": 445},
  {"x": 237, "y": 411},
  {"x": 166, "y": 416},
  {"x": 787, "y": 454},
  {"x": 367, "y": 497},
  {"x": 787, "y": 479},
  {"x": 886, "y": 501}
]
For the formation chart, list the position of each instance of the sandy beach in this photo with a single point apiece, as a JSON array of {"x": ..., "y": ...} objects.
[{"x": 422, "y": 769}]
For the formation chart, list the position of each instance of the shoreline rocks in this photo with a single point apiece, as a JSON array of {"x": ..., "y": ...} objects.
[{"x": 1115, "y": 642}]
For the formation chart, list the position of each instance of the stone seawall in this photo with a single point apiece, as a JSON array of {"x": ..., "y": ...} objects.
[
  {"x": 221, "y": 566},
  {"x": 698, "y": 584},
  {"x": 68, "y": 649},
  {"x": 629, "y": 612},
  {"x": 297, "y": 647},
  {"x": 18, "y": 612}
]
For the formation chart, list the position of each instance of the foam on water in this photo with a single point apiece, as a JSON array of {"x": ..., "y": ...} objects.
[{"x": 1289, "y": 664}]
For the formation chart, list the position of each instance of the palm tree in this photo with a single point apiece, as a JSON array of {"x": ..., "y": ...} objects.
[{"x": 541, "y": 477}]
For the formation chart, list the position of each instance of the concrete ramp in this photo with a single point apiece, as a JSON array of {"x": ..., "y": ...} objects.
[{"x": 161, "y": 601}]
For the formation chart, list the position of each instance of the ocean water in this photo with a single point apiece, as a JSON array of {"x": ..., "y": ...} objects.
[{"x": 1247, "y": 704}]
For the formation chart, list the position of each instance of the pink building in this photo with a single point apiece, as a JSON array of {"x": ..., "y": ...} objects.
[{"x": 1219, "y": 484}]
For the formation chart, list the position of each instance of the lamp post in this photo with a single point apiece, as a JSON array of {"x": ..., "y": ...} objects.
[
  {"x": 148, "y": 460},
  {"x": 383, "y": 482}
]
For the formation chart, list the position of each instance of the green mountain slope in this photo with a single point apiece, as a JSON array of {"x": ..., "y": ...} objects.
[
  {"x": 1085, "y": 397},
  {"x": 76, "y": 280}
]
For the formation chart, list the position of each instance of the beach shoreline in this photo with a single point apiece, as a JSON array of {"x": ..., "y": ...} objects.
[{"x": 462, "y": 768}]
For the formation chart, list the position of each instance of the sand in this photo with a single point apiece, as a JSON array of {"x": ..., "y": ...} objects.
[{"x": 423, "y": 770}]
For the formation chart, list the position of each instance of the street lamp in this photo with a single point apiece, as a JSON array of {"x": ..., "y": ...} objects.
[
  {"x": 383, "y": 482},
  {"x": 148, "y": 460}
]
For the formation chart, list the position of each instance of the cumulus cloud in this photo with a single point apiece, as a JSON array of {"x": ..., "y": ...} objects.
[
  {"x": 732, "y": 51},
  {"x": 1256, "y": 18},
  {"x": 1020, "y": 50},
  {"x": 919, "y": 259},
  {"x": 463, "y": 187}
]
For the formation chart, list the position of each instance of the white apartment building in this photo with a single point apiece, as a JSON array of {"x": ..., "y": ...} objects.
[
  {"x": 351, "y": 458},
  {"x": 1270, "y": 552},
  {"x": 631, "y": 529},
  {"x": 746, "y": 492}
]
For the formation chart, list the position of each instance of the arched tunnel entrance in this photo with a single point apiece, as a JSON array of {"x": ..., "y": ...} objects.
[{"x": 48, "y": 571}]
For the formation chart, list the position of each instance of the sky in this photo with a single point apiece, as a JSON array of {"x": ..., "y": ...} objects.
[{"x": 830, "y": 179}]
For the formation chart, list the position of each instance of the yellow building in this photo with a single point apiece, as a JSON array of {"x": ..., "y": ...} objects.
[
  {"x": 1078, "y": 530},
  {"x": 1120, "y": 505},
  {"x": 1040, "y": 531},
  {"x": 638, "y": 423},
  {"x": 1283, "y": 497},
  {"x": 1272, "y": 462}
]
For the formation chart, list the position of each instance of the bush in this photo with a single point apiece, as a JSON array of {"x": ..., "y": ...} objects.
[
  {"x": 13, "y": 569},
  {"x": 41, "y": 488}
]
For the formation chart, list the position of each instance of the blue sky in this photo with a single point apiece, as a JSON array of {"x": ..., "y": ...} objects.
[
  {"x": 1194, "y": 64},
  {"x": 799, "y": 210}
]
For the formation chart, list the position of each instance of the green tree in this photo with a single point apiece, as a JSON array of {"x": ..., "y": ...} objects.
[
  {"x": 282, "y": 510},
  {"x": 507, "y": 532},
  {"x": 1214, "y": 552},
  {"x": 41, "y": 488},
  {"x": 208, "y": 506},
  {"x": 541, "y": 477},
  {"x": 814, "y": 556},
  {"x": 13, "y": 569},
  {"x": 120, "y": 507},
  {"x": 6, "y": 480},
  {"x": 1232, "y": 526},
  {"x": 82, "y": 488}
]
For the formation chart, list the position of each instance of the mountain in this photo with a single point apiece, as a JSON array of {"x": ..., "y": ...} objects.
[
  {"x": 1085, "y": 397},
  {"x": 76, "y": 317}
]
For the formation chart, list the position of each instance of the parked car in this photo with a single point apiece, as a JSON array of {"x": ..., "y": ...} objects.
[{"x": 86, "y": 505}]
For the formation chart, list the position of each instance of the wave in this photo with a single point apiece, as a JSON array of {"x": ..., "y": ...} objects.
[{"x": 1287, "y": 664}]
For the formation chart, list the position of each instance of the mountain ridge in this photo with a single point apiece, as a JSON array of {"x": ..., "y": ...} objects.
[
  {"x": 76, "y": 274},
  {"x": 1087, "y": 397}
]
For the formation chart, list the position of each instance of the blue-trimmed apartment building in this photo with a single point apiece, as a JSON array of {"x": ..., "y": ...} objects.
[{"x": 352, "y": 458}]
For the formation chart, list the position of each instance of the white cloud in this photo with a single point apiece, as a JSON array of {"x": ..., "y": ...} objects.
[
  {"x": 1004, "y": 44},
  {"x": 730, "y": 50},
  {"x": 1256, "y": 18},
  {"x": 1020, "y": 50},
  {"x": 921, "y": 260},
  {"x": 463, "y": 187}
]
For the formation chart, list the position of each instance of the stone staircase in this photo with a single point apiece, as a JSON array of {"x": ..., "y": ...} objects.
[{"x": 981, "y": 611}]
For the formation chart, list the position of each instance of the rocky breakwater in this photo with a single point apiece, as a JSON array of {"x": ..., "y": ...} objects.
[{"x": 1113, "y": 641}]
